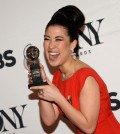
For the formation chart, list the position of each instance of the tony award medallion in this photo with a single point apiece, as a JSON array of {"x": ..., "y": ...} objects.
[{"x": 31, "y": 54}]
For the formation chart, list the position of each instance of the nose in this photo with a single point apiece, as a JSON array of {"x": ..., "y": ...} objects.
[{"x": 52, "y": 44}]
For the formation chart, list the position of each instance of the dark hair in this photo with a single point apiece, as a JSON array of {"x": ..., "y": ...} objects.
[{"x": 72, "y": 19}]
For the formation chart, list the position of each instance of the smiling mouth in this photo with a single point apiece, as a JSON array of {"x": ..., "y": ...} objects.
[{"x": 53, "y": 56}]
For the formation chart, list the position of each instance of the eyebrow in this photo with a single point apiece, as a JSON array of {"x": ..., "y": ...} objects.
[
  {"x": 46, "y": 36},
  {"x": 55, "y": 37},
  {"x": 59, "y": 37}
]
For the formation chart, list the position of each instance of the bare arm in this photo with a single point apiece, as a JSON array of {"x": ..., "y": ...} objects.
[
  {"x": 86, "y": 118},
  {"x": 49, "y": 112}
]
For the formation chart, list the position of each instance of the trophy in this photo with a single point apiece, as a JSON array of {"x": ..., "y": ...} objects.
[{"x": 31, "y": 54}]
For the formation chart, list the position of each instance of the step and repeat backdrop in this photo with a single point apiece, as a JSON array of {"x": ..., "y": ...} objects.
[{"x": 23, "y": 22}]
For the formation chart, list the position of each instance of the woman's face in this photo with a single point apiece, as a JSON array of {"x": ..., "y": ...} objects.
[{"x": 57, "y": 45}]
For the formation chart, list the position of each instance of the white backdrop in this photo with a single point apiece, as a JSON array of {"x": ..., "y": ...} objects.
[{"x": 23, "y": 22}]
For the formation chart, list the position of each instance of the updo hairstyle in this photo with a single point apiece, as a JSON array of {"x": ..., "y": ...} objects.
[{"x": 71, "y": 18}]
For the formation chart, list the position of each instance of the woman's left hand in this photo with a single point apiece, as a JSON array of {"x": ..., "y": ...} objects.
[{"x": 47, "y": 92}]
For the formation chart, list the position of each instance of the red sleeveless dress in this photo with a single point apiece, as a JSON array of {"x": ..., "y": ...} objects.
[{"x": 107, "y": 123}]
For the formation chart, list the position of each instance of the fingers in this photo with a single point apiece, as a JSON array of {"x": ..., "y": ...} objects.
[
  {"x": 40, "y": 92},
  {"x": 37, "y": 87},
  {"x": 42, "y": 86},
  {"x": 43, "y": 74},
  {"x": 29, "y": 78},
  {"x": 48, "y": 81},
  {"x": 28, "y": 67}
]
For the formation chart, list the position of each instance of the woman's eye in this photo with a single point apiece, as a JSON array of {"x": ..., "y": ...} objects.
[
  {"x": 46, "y": 39},
  {"x": 58, "y": 39}
]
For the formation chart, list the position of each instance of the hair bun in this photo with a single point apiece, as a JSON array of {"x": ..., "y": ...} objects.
[{"x": 72, "y": 14}]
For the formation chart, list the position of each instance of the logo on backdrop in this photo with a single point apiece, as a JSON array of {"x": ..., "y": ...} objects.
[
  {"x": 93, "y": 38},
  {"x": 15, "y": 121},
  {"x": 115, "y": 103},
  {"x": 6, "y": 59}
]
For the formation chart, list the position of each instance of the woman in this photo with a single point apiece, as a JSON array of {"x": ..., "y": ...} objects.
[{"x": 77, "y": 91}]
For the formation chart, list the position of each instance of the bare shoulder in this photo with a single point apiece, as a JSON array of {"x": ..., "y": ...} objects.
[{"x": 90, "y": 88}]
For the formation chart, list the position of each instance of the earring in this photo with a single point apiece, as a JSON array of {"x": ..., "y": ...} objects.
[{"x": 73, "y": 54}]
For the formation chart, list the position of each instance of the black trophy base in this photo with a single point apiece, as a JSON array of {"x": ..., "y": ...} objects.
[
  {"x": 37, "y": 84},
  {"x": 36, "y": 76}
]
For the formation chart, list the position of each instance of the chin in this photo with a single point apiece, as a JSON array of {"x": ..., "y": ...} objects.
[{"x": 53, "y": 64}]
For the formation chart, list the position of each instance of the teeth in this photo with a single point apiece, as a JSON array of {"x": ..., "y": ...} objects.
[{"x": 53, "y": 54}]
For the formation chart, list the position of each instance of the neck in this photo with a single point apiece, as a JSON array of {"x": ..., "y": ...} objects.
[{"x": 68, "y": 69}]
